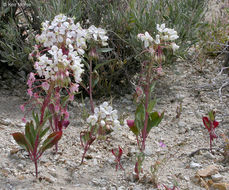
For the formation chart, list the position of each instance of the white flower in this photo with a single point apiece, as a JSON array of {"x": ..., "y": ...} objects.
[
  {"x": 174, "y": 46},
  {"x": 157, "y": 41},
  {"x": 98, "y": 34},
  {"x": 116, "y": 123},
  {"x": 146, "y": 38},
  {"x": 173, "y": 37},
  {"x": 114, "y": 114},
  {"x": 92, "y": 119},
  {"x": 160, "y": 28},
  {"x": 103, "y": 123}
]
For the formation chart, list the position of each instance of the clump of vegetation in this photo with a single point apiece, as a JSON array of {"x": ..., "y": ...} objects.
[{"x": 123, "y": 19}]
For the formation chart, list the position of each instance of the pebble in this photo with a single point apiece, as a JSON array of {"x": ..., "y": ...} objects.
[
  {"x": 181, "y": 124},
  {"x": 217, "y": 177},
  {"x": 208, "y": 171},
  {"x": 194, "y": 165},
  {"x": 121, "y": 188},
  {"x": 209, "y": 155}
]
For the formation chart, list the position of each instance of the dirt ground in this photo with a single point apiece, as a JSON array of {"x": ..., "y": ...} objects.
[{"x": 183, "y": 84}]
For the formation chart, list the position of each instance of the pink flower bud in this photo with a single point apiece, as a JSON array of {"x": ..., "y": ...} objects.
[
  {"x": 139, "y": 91},
  {"x": 130, "y": 123},
  {"x": 22, "y": 107},
  {"x": 45, "y": 85},
  {"x": 30, "y": 92},
  {"x": 23, "y": 120}
]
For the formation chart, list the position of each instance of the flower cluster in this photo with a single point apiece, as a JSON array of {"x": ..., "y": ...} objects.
[
  {"x": 165, "y": 36},
  {"x": 104, "y": 116},
  {"x": 65, "y": 43}
]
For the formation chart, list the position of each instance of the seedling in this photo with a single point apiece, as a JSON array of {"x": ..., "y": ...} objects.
[
  {"x": 211, "y": 124},
  {"x": 118, "y": 154}
]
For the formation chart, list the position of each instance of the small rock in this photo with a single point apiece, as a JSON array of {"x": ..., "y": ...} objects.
[
  {"x": 210, "y": 170},
  {"x": 195, "y": 165},
  {"x": 181, "y": 124},
  {"x": 20, "y": 167},
  {"x": 220, "y": 186},
  {"x": 128, "y": 96},
  {"x": 121, "y": 188},
  {"x": 217, "y": 177},
  {"x": 5, "y": 122},
  {"x": 20, "y": 124},
  {"x": 113, "y": 188},
  {"x": 209, "y": 155}
]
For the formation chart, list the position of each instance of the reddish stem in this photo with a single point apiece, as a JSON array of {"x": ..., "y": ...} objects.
[
  {"x": 90, "y": 88},
  {"x": 35, "y": 162},
  {"x": 147, "y": 93}
]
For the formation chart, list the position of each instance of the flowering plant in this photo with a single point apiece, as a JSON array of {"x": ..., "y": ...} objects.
[
  {"x": 58, "y": 63},
  {"x": 145, "y": 117},
  {"x": 101, "y": 122}
]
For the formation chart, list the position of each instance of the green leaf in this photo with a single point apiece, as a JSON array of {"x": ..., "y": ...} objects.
[
  {"x": 211, "y": 115},
  {"x": 36, "y": 118},
  {"x": 30, "y": 136},
  {"x": 135, "y": 130},
  {"x": 104, "y": 50},
  {"x": 139, "y": 117},
  {"x": 152, "y": 87},
  {"x": 95, "y": 76},
  {"x": 21, "y": 140},
  {"x": 103, "y": 63},
  {"x": 151, "y": 105},
  {"x": 44, "y": 132},
  {"x": 64, "y": 99},
  {"x": 51, "y": 140},
  {"x": 154, "y": 120}
]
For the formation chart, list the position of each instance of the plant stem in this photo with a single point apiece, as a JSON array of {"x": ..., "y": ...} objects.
[
  {"x": 147, "y": 94},
  {"x": 90, "y": 88},
  {"x": 85, "y": 151},
  {"x": 35, "y": 162}
]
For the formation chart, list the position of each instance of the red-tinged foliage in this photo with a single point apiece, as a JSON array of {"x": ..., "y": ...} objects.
[
  {"x": 51, "y": 140},
  {"x": 118, "y": 154},
  {"x": 211, "y": 124},
  {"x": 21, "y": 140},
  {"x": 167, "y": 188}
]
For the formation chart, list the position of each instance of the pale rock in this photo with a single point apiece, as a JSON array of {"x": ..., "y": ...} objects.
[
  {"x": 113, "y": 188},
  {"x": 209, "y": 155},
  {"x": 220, "y": 186},
  {"x": 217, "y": 177},
  {"x": 20, "y": 166},
  {"x": 208, "y": 171},
  {"x": 194, "y": 165},
  {"x": 181, "y": 124},
  {"x": 95, "y": 162},
  {"x": 121, "y": 188}
]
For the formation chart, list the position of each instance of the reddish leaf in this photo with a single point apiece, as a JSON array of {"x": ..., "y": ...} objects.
[
  {"x": 51, "y": 140},
  {"x": 132, "y": 127},
  {"x": 215, "y": 124},
  {"x": 21, "y": 140},
  {"x": 207, "y": 123}
]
